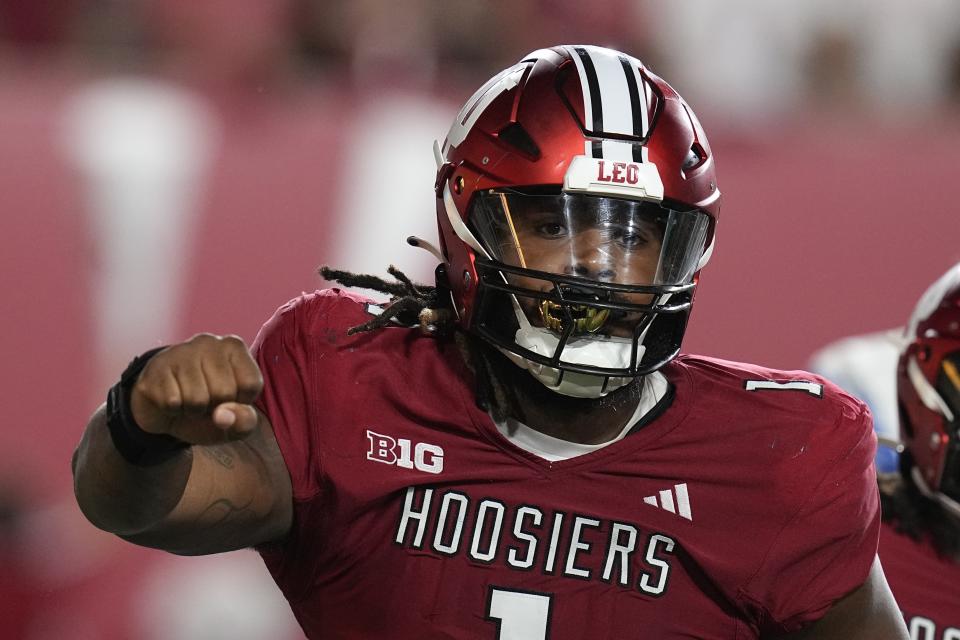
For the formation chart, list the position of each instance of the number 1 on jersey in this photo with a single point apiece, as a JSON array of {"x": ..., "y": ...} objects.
[
  {"x": 812, "y": 388},
  {"x": 519, "y": 615}
]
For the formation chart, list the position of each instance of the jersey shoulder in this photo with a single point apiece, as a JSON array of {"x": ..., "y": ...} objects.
[
  {"x": 315, "y": 330},
  {"x": 324, "y": 313},
  {"x": 798, "y": 451},
  {"x": 789, "y": 394},
  {"x": 796, "y": 414},
  {"x": 323, "y": 384}
]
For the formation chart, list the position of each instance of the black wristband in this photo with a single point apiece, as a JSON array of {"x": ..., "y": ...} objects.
[{"x": 133, "y": 443}]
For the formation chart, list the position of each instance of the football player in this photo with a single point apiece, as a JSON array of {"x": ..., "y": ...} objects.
[
  {"x": 518, "y": 451},
  {"x": 920, "y": 536}
]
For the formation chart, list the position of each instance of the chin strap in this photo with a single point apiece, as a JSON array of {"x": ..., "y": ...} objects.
[
  {"x": 612, "y": 353},
  {"x": 575, "y": 385}
]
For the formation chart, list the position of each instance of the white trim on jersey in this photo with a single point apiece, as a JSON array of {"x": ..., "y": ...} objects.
[
  {"x": 813, "y": 388},
  {"x": 553, "y": 449}
]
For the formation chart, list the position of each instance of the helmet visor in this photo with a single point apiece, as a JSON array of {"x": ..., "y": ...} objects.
[
  {"x": 637, "y": 251},
  {"x": 604, "y": 239}
]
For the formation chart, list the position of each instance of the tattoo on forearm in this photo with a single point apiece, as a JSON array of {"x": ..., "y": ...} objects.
[
  {"x": 221, "y": 512},
  {"x": 218, "y": 455}
]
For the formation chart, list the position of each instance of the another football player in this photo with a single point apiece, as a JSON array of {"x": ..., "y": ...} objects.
[
  {"x": 518, "y": 451},
  {"x": 920, "y": 537}
]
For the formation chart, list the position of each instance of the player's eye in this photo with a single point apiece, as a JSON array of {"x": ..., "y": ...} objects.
[
  {"x": 551, "y": 230},
  {"x": 631, "y": 239}
]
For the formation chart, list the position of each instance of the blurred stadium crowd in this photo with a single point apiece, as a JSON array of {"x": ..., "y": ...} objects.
[{"x": 172, "y": 166}]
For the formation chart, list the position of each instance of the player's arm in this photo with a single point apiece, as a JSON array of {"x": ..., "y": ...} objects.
[
  {"x": 869, "y": 612},
  {"x": 227, "y": 490}
]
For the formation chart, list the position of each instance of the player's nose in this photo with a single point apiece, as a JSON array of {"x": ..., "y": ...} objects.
[{"x": 590, "y": 258}]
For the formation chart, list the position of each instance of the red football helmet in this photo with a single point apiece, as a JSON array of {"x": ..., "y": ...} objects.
[
  {"x": 577, "y": 202},
  {"x": 928, "y": 386}
]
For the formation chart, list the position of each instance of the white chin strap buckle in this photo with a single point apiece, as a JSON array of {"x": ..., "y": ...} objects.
[{"x": 611, "y": 353}]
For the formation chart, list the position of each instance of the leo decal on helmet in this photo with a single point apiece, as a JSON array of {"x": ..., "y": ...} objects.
[{"x": 577, "y": 202}]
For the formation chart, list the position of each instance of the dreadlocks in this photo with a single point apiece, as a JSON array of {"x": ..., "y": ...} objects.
[
  {"x": 429, "y": 307},
  {"x": 410, "y": 304},
  {"x": 497, "y": 381}
]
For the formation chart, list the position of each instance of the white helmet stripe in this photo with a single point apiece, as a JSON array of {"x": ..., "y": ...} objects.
[
  {"x": 617, "y": 107},
  {"x": 459, "y": 226},
  {"x": 932, "y": 298},
  {"x": 708, "y": 252},
  {"x": 631, "y": 68},
  {"x": 616, "y": 150},
  {"x": 926, "y": 392},
  {"x": 474, "y": 107},
  {"x": 587, "y": 102},
  {"x": 613, "y": 102},
  {"x": 595, "y": 96},
  {"x": 614, "y": 93}
]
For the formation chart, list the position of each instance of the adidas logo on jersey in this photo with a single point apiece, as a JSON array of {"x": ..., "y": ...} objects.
[{"x": 674, "y": 500}]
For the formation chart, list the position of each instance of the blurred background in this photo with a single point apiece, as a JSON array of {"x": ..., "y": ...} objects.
[{"x": 175, "y": 166}]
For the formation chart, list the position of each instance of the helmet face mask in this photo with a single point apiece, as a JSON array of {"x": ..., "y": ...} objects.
[
  {"x": 588, "y": 269},
  {"x": 576, "y": 204}
]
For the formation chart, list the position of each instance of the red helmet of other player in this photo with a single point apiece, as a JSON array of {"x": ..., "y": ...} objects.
[
  {"x": 577, "y": 202},
  {"x": 928, "y": 385}
]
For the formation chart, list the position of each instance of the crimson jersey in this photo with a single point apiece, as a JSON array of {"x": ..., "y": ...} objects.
[
  {"x": 926, "y": 586},
  {"x": 748, "y": 505}
]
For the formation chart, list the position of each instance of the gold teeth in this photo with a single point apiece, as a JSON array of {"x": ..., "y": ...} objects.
[{"x": 590, "y": 320}]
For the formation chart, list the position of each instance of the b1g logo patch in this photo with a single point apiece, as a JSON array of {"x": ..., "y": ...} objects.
[{"x": 404, "y": 453}]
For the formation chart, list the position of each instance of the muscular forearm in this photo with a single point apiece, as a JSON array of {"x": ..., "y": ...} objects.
[
  {"x": 206, "y": 499},
  {"x": 120, "y": 497},
  {"x": 227, "y": 487},
  {"x": 229, "y": 503}
]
